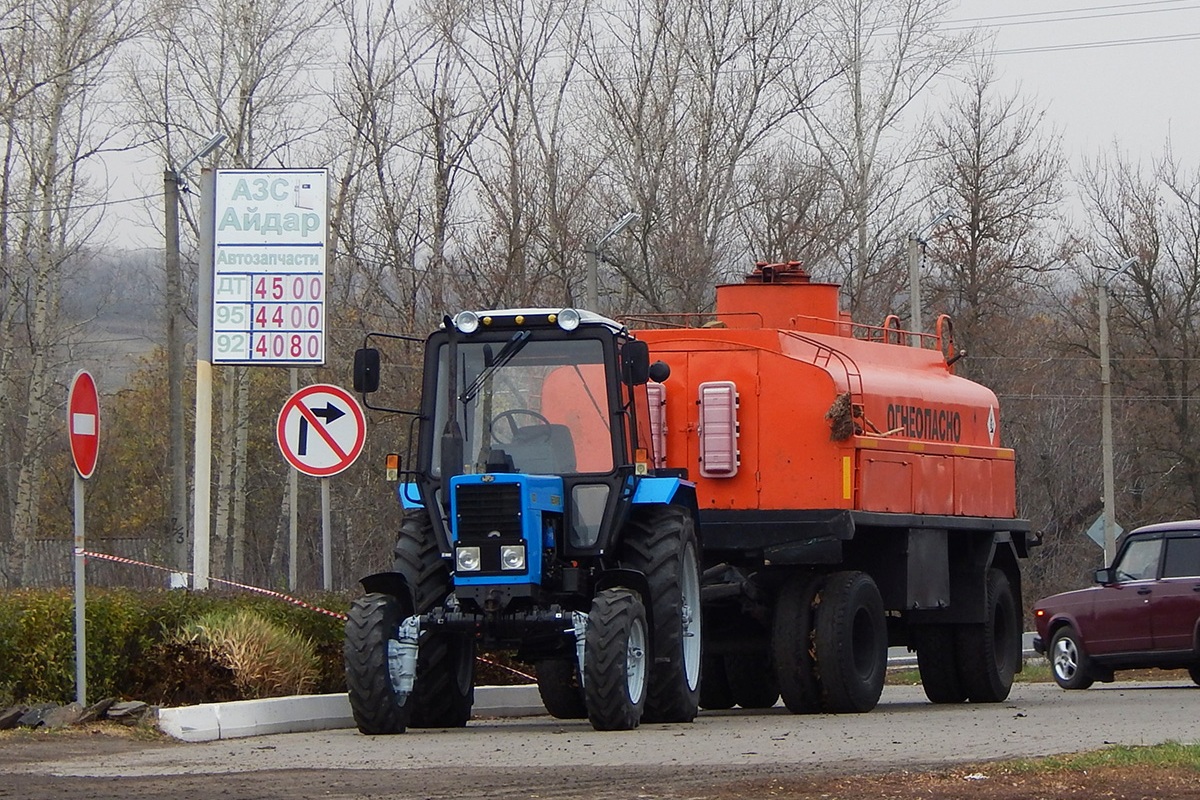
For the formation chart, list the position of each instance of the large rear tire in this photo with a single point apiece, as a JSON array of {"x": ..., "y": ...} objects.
[
  {"x": 560, "y": 689},
  {"x": 445, "y": 690},
  {"x": 792, "y": 645},
  {"x": 615, "y": 656},
  {"x": 660, "y": 541},
  {"x": 373, "y": 621},
  {"x": 751, "y": 680},
  {"x": 989, "y": 652},
  {"x": 850, "y": 633},
  {"x": 937, "y": 661}
]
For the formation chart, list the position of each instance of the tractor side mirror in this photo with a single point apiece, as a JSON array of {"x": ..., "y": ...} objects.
[
  {"x": 660, "y": 371},
  {"x": 635, "y": 356},
  {"x": 366, "y": 370}
]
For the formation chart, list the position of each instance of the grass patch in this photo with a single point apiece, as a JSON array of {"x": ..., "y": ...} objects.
[
  {"x": 1035, "y": 671},
  {"x": 1160, "y": 756}
]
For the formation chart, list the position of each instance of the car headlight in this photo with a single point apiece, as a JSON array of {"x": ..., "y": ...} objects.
[
  {"x": 512, "y": 556},
  {"x": 466, "y": 321},
  {"x": 568, "y": 319},
  {"x": 466, "y": 559}
]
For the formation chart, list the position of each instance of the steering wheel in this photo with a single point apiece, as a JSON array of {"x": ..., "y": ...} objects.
[{"x": 510, "y": 417}]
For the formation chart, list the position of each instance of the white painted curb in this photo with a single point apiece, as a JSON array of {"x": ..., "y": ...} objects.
[{"x": 302, "y": 713}]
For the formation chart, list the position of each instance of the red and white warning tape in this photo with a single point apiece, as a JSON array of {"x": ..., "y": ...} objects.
[{"x": 268, "y": 592}]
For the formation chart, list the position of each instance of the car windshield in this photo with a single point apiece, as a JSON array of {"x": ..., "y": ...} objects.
[
  {"x": 1140, "y": 560},
  {"x": 526, "y": 405}
]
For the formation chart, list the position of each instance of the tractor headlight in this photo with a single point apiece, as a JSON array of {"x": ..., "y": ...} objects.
[
  {"x": 466, "y": 321},
  {"x": 466, "y": 559},
  {"x": 568, "y": 319},
  {"x": 512, "y": 556}
]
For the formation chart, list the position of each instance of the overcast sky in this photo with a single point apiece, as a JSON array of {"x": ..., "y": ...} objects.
[{"x": 1104, "y": 70}]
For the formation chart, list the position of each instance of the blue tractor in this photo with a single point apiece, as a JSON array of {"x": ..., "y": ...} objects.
[{"x": 536, "y": 519}]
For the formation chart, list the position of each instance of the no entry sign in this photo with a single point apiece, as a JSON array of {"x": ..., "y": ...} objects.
[
  {"x": 321, "y": 430},
  {"x": 83, "y": 422}
]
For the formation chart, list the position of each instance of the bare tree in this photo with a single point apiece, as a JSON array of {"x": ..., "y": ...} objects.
[
  {"x": 885, "y": 53},
  {"x": 687, "y": 94},
  {"x": 1001, "y": 172},
  {"x": 56, "y": 54}
]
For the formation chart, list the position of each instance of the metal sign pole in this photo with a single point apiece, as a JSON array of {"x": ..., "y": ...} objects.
[
  {"x": 326, "y": 539},
  {"x": 80, "y": 629},
  {"x": 202, "y": 441}
]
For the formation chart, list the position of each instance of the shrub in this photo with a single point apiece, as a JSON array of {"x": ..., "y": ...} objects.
[{"x": 264, "y": 658}]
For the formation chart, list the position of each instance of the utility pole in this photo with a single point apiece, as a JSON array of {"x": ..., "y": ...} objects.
[
  {"x": 1106, "y": 434},
  {"x": 177, "y": 457},
  {"x": 916, "y": 247}
]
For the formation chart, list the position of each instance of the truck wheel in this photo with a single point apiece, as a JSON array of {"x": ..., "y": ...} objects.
[
  {"x": 558, "y": 684},
  {"x": 715, "y": 694},
  {"x": 661, "y": 542},
  {"x": 792, "y": 645},
  {"x": 751, "y": 680},
  {"x": 615, "y": 655},
  {"x": 374, "y": 619},
  {"x": 444, "y": 691},
  {"x": 989, "y": 652},
  {"x": 938, "y": 663},
  {"x": 1070, "y": 663},
  {"x": 850, "y": 634}
]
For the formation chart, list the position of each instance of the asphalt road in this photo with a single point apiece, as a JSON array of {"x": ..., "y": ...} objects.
[{"x": 505, "y": 757}]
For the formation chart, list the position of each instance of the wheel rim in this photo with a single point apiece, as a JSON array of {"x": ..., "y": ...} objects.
[
  {"x": 690, "y": 610},
  {"x": 1066, "y": 659},
  {"x": 635, "y": 661}
]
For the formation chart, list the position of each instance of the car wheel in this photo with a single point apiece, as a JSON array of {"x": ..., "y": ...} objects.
[
  {"x": 1068, "y": 661},
  {"x": 1194, "y": 671}
]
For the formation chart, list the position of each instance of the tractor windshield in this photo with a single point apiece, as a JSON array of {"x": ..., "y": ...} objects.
[{"x": 528, "y": 405}]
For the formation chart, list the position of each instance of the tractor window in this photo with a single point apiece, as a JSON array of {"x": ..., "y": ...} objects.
[{"x": 539, "y": 407}]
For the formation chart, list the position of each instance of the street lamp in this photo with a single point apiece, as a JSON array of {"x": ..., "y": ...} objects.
[
  {"x": 179, "y": 509},
  {"x": 916, "y": 244},
  {"x": 1106, "y": 435},
  {"x": 593, "y": 298}
]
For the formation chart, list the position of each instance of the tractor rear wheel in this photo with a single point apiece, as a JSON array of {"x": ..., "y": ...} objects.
[
  {"x": 937, "y": 661},
  {"x": 990, "y": 651},
  {"x": 373, "y": 621},
  {"x": 792, "y": 645},
  {"x": 558, "y": 684},
  {"x": 444, "y": 690},
  {"x": 660, "y": 541},
  {"x": 615, "y": 656},
  {"x": 850, "y": 634}
]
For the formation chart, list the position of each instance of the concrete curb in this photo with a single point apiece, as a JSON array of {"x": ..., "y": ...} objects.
[{"x": 302, "y": 713}]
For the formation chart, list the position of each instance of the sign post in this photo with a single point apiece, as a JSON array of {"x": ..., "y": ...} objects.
[
  {"x": 321, "y": 431},
  {"x": 83, "y": 427}
]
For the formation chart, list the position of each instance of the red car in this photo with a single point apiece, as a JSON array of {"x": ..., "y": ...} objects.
[{"x": 1144, "y": 613}]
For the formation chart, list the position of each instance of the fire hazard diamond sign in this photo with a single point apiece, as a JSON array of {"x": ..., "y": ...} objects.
[{"x": 321, "y": 430}]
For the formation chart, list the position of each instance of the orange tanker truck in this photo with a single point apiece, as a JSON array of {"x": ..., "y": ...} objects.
[{"x": 662, "y": 514}]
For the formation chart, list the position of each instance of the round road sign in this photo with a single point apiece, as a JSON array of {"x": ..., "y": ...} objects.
[
  {"x": 83, "y": 422},
  {"x": 321, "y": 430}
]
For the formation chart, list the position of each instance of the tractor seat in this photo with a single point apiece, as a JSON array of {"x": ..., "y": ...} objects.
[{"x": 543, "y": 450}]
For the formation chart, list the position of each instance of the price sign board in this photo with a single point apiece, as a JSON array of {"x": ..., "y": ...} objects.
[{"x": 270, "y": 250}]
